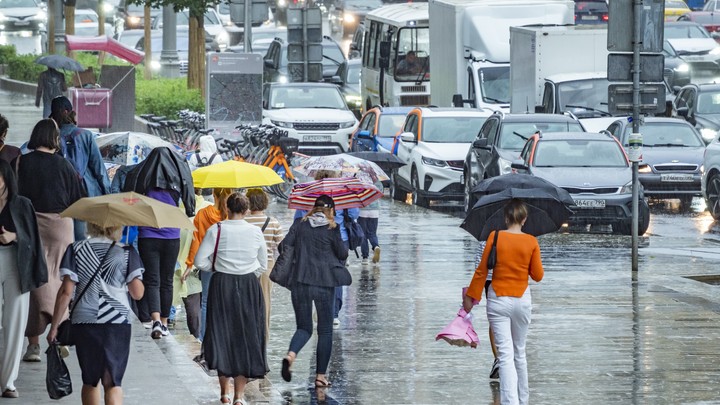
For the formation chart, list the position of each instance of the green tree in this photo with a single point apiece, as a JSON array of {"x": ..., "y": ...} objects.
[{"x": 196, "y": 46}]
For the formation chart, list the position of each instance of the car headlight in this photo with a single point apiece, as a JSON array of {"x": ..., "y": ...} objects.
[
  {"x": 282, "y": 79},
  {"x": 134, "y": 20},
  {"x": 282, "y": 124},
  {"x": 222, "y": 38},
  {"x": 281, "y": 3},
  {"x": 354, "y": 100},
  {"x": 684, "y": 67},
  {"x": 108, "y": 8},
  {"x": 626, "y": 189},
  {"x": 155, "y": 65},
  {"x": 347, "y": 124},
  {"x": 715, "y": 51},
  {"x": 41, "y": 15},
  {"x": 644, "y": 169},
  {"x": 433, "y": 162},
  {"x": 708, "y": 134},
  {"x": 504, "y": 166},
  {"x": 702, "y": 169},
  {"x": 349, "y": 18}
]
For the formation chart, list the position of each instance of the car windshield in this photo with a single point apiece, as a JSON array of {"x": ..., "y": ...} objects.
[
  {"x": 353, "y": 74},
  {"x": 390, "y": 125},
  {"x": 711, "y": 5},
  {"x": 157, "y": 44},
  {"x": 514, "y": 134},
  {"x": 332, "y": 55},
  {"x": 451, "y": 129},
  {"x": 495, "y": 84},
  {"x": 667, "y": 134},
  {"x": 413, "y": 55},
  {"x": 369, "y": 4},
  {"x": 183, "y": 18},
  {"x": 306, "y": 97},
  {"x": 259, "y": 36},
  {"x": 579, "y": 153},
  {"x": 708, "y": 102},
  {"x": 676, "y": 4},
  {"x": 685, "y": 31},
  {"x": 591, "y": 6},
  {"x": 17, "y": 3},
  {"x": 577, "y": 95},
  {"x": 85, "y": 18}
]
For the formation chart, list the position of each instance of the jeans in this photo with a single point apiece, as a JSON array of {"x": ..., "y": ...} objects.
[
  {"x": 369, "y": 227},
  {"x": 509, "y": 318},
  {"x": 303, "y": 296},
  {"x": 205, "y": 277},
  {"x": 159, "y": 257},
  {"x": 339, "y": 291}
]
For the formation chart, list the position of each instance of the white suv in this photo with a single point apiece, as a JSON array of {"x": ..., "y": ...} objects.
[
  {"x": 433, "y": 145},
  {"x": 314, "y": 113}
]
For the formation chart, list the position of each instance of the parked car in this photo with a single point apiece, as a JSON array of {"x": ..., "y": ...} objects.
[
  {"x": 133, "y": 15},
  {"x": 693, "y": 43},
  {"x": 23, "y": 15},
  {"x": 314, "y": 113},
  {"x": 156, "y": 43},
  {"x": 708, "y": 17},
  {"x": 677, "y": 71},
  {"x": 594, "y": 169},
  {"x": 86, "y": 24},
  {"x": 378, "y": 129},
  {"x": 591, "y": 12},
  {"x": 500, "y": 141},
  {"x": 699, "y": 104},
  {"x": 672, "y": 156},
  {"x": 675, "y": 9},
  {"x": 344, "y": 16},
  {"x": 276, "y": 61},
  {"x": 433, "y": 144},
  {"x": 215, "y": 34}
]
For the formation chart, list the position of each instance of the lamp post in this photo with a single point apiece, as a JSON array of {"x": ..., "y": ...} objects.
[{"x": 169, "y": 59}]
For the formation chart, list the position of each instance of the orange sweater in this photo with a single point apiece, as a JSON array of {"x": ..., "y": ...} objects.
[
  {"x": 518, "y": 255},
  {"x": 204, "y": 219}
]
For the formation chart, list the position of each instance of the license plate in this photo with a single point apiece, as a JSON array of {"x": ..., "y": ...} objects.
[
  {"x": 316, "y": 138},
  {"x": 589, "y": 17},
  {"x": 22, "y": 23},
  {"x": 677, "y": 177},
  {"x": 590, "y": 203}
]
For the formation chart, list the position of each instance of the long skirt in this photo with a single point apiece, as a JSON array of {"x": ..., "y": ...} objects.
[
  {"x": 234, "y": 342},
  {"x": 56, "y": 234}
]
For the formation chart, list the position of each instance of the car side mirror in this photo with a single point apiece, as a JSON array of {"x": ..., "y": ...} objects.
[
  {"x": 265, "y": 104},
  {"x": 408, "y": 137},
  {"x": 385, "y": 49},
  {"x": 365, "y": 134},
  {"x": 519, "y": 165},
  {"x": 269, "y": 63},
  {"x": 480, "y": 143},
  {"x": 676, "y": 89},
  {"x": 683, "y": 112}
]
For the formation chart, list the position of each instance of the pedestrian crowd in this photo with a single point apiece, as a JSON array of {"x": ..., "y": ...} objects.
[{"x": 100, "y": 278}]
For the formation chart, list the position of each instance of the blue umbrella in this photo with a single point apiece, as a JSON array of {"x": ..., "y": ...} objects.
[{"x": 60, "y": 62}]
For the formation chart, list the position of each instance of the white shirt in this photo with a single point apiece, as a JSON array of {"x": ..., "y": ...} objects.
[{"x": 241, "y": 250}]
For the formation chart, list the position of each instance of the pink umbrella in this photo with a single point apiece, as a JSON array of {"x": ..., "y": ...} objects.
[
  {"x": 460, "y": 331},
  {"x": 106, "y": 44}
]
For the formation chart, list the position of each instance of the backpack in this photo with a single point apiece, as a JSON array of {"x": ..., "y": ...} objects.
[
  {"x": 202, "y": 162},
  {"x": 356, "y": 236}
]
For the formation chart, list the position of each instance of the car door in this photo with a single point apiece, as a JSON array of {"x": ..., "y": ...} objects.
[
  {"x": 691, "y": 103},
  {"x": 485, "y": 155},
  {"x": 405, "y": 148}
]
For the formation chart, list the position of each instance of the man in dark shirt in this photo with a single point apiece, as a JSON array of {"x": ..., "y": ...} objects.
[
  {"x": 409, "y": 65},
  {"x": 51, "y": 84}
]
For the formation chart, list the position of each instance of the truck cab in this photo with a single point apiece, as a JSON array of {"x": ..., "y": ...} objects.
[{"x": 585, "y": 95}]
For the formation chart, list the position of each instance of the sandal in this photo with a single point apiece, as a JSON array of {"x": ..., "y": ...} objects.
[
  {"x": 225, "y": 399},
  {"x": 239, "y": 401},
  {"x": 285, "y": 372},
  {"x": 322, "y": 383}
]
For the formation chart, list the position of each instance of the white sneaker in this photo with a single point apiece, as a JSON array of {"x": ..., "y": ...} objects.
[
  {"x": 336, "y": 322},
  {"x": 376, "y": 254},
  {"x": 165, "y": 331},
  {"x": 157, "y": 330},
  {"x": 365, "y": 261},
  {"x": 32, "y": 354},
  {"x": 147, "y": 325}
]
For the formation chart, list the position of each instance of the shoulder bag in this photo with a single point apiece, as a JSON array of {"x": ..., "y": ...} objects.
[
  {"x": 65, "y": 336},
  {"x": 492, "y": 257},
  {"x": 217, "y": 242}
]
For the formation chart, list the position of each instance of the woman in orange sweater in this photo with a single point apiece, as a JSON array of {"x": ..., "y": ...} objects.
[{"x": 509, "y": 301}]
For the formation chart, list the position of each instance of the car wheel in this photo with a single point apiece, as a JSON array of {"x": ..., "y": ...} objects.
[
  {"x": 417, "y": 199},
  {"x": 470, "y": 200},
  {"x": 713, "y": 196},
  {"x": 625, "y": 227},
  {"x": 396, "y": 192}
]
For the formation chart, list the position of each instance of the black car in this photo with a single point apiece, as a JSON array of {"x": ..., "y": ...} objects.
[
  {"x": 591, "y": 12},
  {"x": 133, "y": 15},
  {"x": 500, "y": 141},
  {"x": 677, "y": 71},
  {"x": 345, "y": 15},
  {"x": 699, "y": 104},
  {"x": 276, "y": 62},
  {"x": 673, "y": 152}
]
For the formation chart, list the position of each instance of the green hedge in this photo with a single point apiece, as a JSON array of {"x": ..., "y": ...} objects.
[
  {"x": 166, "y": 97},
  {"x": 7, "y": 52},
  {"x": 24, "y": 68}
]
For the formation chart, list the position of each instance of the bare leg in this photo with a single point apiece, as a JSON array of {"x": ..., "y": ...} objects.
[
  {"x": 240, "y": 383},
  {"x": 90, "y": 395},
  {"x": 113, "y": 396},
  {"x": 224, "y": 389},
  {"x": 155, "y": 316},
  {"x": 34, "y": 340}
]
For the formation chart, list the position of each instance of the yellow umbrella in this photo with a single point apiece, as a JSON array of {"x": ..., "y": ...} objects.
[
  {"x": 235, "y": 174},
  {"x": 127, "y": 209}
]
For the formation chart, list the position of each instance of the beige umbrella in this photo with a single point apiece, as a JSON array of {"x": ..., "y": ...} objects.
[{"x": 127, "y": 209}]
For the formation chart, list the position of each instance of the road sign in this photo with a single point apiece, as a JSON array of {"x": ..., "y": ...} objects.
[
  {"x": 620, "y": 98},
  {"x": 619, "y": 68},
  {"x": 620, "y": 25},
  {"x": 234, "y": 93},
  {"x": 305, "y": 52},
  {"x": 295, "y": 53},
  {"x": 297, "y": 69},
  {"x": 258, "y": 15}
]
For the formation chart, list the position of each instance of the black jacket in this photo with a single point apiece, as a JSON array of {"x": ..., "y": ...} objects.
[
  {"x": 31, "y": 264},
  {"x": 319, "y": 255},
  {"x": 164, "y": 169}
]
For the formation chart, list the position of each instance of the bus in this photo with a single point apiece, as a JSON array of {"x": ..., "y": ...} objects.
[{"x": 405, "y": 30}]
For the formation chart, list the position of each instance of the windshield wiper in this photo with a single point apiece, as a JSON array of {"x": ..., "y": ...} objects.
[
  {"x": 604, "y": 113},
  {"x": 668, "y": 144},
  {"x": 496, "y": 101},
  {"x": 332, "y": 60},
  {"x": 418, "y": 80},
  {"x": 523, "y": 137}
]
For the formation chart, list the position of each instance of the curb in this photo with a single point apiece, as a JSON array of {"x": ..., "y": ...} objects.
[{"x": 17, "y": 86}]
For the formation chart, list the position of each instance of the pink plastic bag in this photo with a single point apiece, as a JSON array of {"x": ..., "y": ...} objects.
[{"x": 460, "y": 331}]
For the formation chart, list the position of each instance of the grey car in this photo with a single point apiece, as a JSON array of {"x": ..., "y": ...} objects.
[
  {"x": 672, "y": 157},
  {"x": 22, "y": 15},
  {"x": 594, "y": 169}
]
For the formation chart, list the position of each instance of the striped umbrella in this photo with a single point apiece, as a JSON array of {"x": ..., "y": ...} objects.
[
  {"x": 348, "y": 192},
  {"x": 346, "y": 165}
]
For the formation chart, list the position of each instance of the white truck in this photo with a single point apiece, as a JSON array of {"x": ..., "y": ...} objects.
[
  {"x": 554, "y": 69},
  {"x": 470, "y": 46}
]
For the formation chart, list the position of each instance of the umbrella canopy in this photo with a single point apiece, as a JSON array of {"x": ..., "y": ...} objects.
[
  {"x": 348, "y": 166},
  {"x": 235, "y": 174},
  {"x": 347, "y": 193},
  {"x": 128, "y": 209},
  {"x": 105, "y": 44},
  {"x": 128, "y": 148},
  {"x": 547, "y": 211},
  {"x": 512, "y": 180},
  {"x": 60, "y": 62},
  {"x": 387, "y": 161}
]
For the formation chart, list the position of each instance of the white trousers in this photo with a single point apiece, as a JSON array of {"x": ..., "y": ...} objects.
[
  {"x": 509, "y": 319},
  {"x": 13, "y": 319}
]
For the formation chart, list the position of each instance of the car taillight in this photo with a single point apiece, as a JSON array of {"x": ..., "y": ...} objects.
[
  {"x": 605, "y": 17},
  {"x": 713, "y": 28}
]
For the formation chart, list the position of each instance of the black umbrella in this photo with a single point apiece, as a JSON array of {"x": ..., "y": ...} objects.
[
  {"x": 387, "y": 161},
  {"x": 512, "y": 180},
  {"x": 60, "y": 62},
  {"x": 547, "y": 211}
]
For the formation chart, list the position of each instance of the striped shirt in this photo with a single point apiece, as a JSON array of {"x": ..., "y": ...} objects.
[{"x": 273, "y": 232}]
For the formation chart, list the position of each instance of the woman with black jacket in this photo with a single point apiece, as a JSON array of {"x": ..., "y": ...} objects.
[{"x": 319, "y": 255}]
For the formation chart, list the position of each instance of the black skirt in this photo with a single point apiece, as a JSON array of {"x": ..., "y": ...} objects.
[{"x": 234, "y": 342}]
